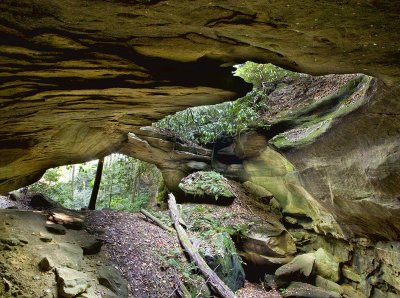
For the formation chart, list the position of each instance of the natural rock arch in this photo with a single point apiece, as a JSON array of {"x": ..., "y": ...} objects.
[{"x": 76, "y": 76}]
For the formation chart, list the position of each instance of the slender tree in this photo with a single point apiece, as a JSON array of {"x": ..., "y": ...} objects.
[
  {"x": 72, "y": 181},
  {"x": 96, "y": 186}
]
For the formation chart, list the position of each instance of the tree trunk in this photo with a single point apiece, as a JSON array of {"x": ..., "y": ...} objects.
[
  {"x": 210, "y": 276},
  {"x": 96, "y": 186},
  {"x": 72, "y": 182}
]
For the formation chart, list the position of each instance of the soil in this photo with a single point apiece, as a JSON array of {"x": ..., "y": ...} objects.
[
  {"x": 140, "y": 250},
  {"x": 137, "y": 248}
]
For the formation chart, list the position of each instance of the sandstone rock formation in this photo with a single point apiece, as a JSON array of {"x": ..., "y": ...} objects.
[{"x": 77, "y": 76}]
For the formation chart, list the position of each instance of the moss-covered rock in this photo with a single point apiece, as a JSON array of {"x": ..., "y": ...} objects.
[
  {"x": 327, "y": 266},
  {"x": 206, "y": 185},
  {"x": 310, "y": 122},
  {"x": 220, "y": 253}
]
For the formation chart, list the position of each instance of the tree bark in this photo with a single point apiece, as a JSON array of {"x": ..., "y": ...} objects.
[
  {"x": 210, "y": 276},
  {"x": 72, "y": 182},
  {"x": 96, "y": 186}
]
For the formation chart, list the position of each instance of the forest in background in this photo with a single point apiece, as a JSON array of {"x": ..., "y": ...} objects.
[{"x": 127, "y": 184}]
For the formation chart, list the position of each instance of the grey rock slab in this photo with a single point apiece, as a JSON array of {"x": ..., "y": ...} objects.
[
  {"x": 303, "y": 290},
  {"x": 328, "y": 285},
  {"x": 326, "y": 264},
  {"x": 56, "y": 229},
  {"x": 91, "y": 246},
  {"x": 301, "y": 268},
  {"x": 112, "y": 279},
  {"x": 71, "y": 282}
]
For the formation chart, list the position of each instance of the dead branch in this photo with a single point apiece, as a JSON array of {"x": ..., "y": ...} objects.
[
  {"x": 216, "y": 283},
  {"x": 156, "y": 220}
]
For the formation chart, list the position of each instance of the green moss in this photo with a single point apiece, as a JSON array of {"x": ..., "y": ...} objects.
[
  {"x": 162, "y": 195},
  {"x": 220, "y": 254},
  {"x": 300, "y": 136},
  {"x": 206, "y": 184}
]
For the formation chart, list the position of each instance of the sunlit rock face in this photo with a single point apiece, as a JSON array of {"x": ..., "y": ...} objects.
[
  {"x": 353, "y": 169},
  {"x": 76, "y": 76}
]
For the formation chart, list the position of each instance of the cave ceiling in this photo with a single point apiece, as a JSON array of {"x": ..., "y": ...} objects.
[{"x": 76, "y": 76}]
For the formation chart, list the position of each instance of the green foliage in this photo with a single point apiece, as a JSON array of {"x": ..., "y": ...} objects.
[
  {"x": 127, "y": 184},
  {"x": 202, "y": 220},
  {"x": 52, "y": 185},
  {"x": 206, "y": 124},
  {"x": 257, "y": 74},
  {"x": 206, "y": 183},
  {"x": 175, "y": 260}
]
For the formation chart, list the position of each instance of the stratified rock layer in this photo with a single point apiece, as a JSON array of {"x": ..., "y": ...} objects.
[{"x": 76, "y": 75}]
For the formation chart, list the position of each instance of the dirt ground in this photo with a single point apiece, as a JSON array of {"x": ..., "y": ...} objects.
[{"x": 140, "y": 250}]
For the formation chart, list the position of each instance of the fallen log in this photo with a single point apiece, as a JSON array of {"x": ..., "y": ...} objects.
[
  {"x": 156, "y": 220},
  {"x": 212, "y": 278},
  {"x": 182, "y": 291}
]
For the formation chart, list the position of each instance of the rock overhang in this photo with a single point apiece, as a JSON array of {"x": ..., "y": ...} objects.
[{"x": 76, "y": 76}]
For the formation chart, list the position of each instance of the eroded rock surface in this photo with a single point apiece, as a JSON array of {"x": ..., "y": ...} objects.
[{"x": 77, "y": 76}]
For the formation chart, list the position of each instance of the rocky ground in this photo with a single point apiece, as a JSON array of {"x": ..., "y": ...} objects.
[
  {"x": 62, "y": 253},
  {"x": 132, "y": 245},
  {"x": 147, "y": 257}
]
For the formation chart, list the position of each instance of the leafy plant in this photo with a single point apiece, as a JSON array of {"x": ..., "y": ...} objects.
[
  {"x": 202, "y": 125},
  {"x": 259, "y": 74},
  {"x": 206, "y": 183}
]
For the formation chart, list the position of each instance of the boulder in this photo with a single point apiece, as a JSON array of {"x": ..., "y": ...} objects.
[
  {"x": 90, "y": 293},
  {"x": 11, "y": 241},
  {"x": 303, "y": 290},
  {"x": 378, "y": 293},
  {"x": 45, "y": 237},
  {"x": 14, "y": 195},
  {"x": 301, "y": 268},
  {"x": 264, "y": 261},
  {"x": 112, "y": 279},
  {"x": 46, "y": 264},
  {"x": 207, "y": 186},
  {"x": 264, "y": 196},
  {"x": 68, "y": 218},
  {"x": 40, "y": 201},
  {"x": 268, "y": 238},
  {"x": 350, "y": 292},
  {"x": 71, "y": 255},
  {"x": 65, "y": 255},
  {"x": 328, "y": 284},
  {"x": 267, "y": 244},
  {"x": 350, "y": 274},
  {"x": 56, "y": 229},
  {"x": 326, "y": 264},
  {"x": 220, "y": 254},
  {"x": 269, "y": 282},
  {"x": 71, "y": 282},
  {"x": 249, "y": 144},
  {"x": 91, "y": 246}
]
